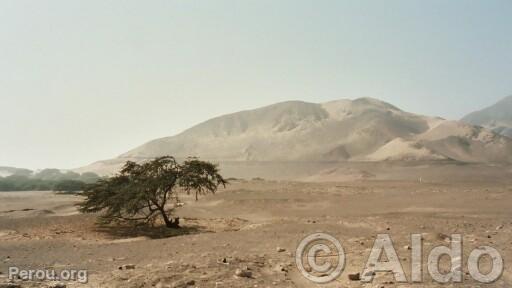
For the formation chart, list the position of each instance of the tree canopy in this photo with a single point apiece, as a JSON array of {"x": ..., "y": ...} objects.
[{"x": 148, "y": 191}]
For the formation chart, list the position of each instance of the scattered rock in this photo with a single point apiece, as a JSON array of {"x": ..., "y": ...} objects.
[
  {"x": 280, "y": 250},
  {"x": 243, "y": 273},
  {"x": 127, "y": 267},
  {"x": 178, "y": 284},
  {"x": 245, "y": 268},
  {"x": 281, "y": 267},
  {"x": 444, "y": 237},
  {"x": 354, "y": 277}
]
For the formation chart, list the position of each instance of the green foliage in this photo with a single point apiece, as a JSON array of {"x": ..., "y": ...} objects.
[
  {"x": 143, "y": 193},
  {"x": 49, "y": 174},
  {"x": 89, "y": 177},
  {"x": 46, "y": 180},
  {"x": 199, "y": 177},
  {"x": 24, "y": 183}
]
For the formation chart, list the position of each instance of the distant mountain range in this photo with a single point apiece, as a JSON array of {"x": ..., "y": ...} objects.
[
  {"x": 8, "y": 171},
  {"x": 497, "y": 117},
  {"x": 364, "y": 129}
]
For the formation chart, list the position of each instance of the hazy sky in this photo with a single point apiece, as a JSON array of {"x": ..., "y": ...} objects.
[{"x": 87, "y": 80}]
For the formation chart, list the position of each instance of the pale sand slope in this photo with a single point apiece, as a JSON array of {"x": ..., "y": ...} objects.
[
  {"x": 345, "y": 130},
  {"x": 247, "y": 221},
  {"x": 23, "y": 203}
]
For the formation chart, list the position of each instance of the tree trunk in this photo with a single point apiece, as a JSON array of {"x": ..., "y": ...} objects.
[
  {"x": 175, "y": 223},
  {"x": 170, "y": 223}
]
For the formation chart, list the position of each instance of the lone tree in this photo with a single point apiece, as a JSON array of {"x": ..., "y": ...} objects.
[{"x": 141, "y": 193}]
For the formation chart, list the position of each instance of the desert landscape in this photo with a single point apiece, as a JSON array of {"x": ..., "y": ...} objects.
[
  {"x": 261, "y": 144},
  {"x": 256, "y": 224},
  {"x": 352, "y": 169}
]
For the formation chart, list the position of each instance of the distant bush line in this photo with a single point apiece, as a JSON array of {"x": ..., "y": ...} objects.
[{"x": 47, "y": 180}]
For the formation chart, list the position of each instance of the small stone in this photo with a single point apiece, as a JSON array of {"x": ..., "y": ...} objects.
[
  {"x": 354, "y": 277},
  {"x": 281, "y": 267},
  {"x": 58, "y": 285},
  {"x": 407, "y": 247},
  {"x": 191, "y": 283},
  {"x": 444, "y": 237},
  {"x": 280, "y": 250},
  {"x": 127, "y": 267},
  {"x": 243, "y": 273},
  {"x": 499, "y": 227}
]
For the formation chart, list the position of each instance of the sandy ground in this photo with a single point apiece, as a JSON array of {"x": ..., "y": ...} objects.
[{"x": 242, "y": 226}]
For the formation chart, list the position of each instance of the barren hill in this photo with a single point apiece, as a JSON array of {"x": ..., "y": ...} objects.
[
  {"x": 364, "y": 129},
  {"x": 497, "y": 117}
]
